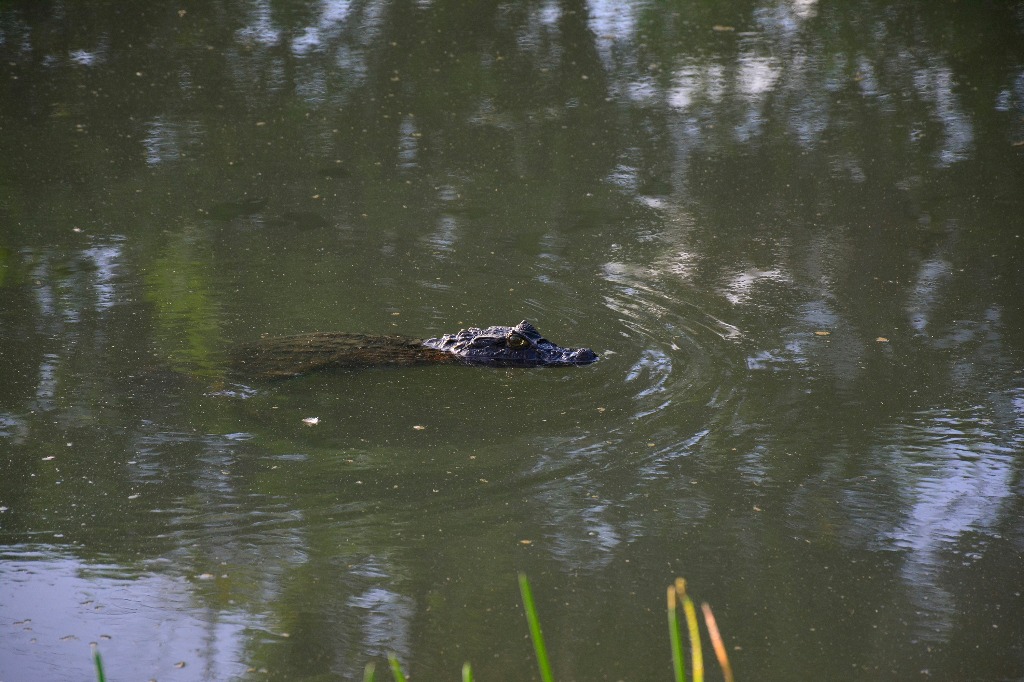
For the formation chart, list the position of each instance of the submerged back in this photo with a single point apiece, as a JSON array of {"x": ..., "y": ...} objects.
[{"x": 519, "y": 346}]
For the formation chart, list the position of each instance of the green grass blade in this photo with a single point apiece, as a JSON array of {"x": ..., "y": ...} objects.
[
  {"x": 98, "y": 660},
  {"x": 696, "y": 654},
  {"x": 368, "y": 672},
  {"x": 535, "y": 633},
  {"x": 467, "y": 673},
  {"x": 675, "y": 640},
  {"x": 396, "y": 668}
]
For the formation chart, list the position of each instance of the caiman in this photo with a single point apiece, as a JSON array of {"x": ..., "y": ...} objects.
[{"x": 518, "y": 346}]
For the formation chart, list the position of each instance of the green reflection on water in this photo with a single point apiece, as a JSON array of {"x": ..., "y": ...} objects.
[
  {"x": 5, "y": 266},
  {"x": 186, "y": 319}
]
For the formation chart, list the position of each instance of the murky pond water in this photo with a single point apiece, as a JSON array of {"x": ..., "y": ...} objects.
[{"x": 791, "y": 229}]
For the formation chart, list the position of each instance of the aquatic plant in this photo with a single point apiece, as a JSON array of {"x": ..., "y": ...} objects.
[
  {"x": 535, "y": 632},
  {"x": 677, "y": 599},
  {"x": 98, "y": 660}
]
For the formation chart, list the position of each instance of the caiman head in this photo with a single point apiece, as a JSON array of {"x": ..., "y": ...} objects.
[{"x": 518, "y": 346}]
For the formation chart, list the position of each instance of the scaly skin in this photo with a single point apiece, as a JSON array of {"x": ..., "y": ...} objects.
[{"x": 519, "y": 346}]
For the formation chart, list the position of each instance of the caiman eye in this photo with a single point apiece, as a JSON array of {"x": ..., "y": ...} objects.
[{"x": 515, "y": 342}]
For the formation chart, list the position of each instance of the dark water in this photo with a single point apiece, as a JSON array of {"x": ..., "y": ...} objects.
[{"x": 792, "y": 230}]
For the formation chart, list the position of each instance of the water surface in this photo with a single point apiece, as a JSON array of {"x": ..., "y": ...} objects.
[{"x": 792, "y": 231}]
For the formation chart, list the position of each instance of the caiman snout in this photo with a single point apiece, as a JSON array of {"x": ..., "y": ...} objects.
[
  {"x": 582, "y": 356},
  {"x": 518, "y": 346}
]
